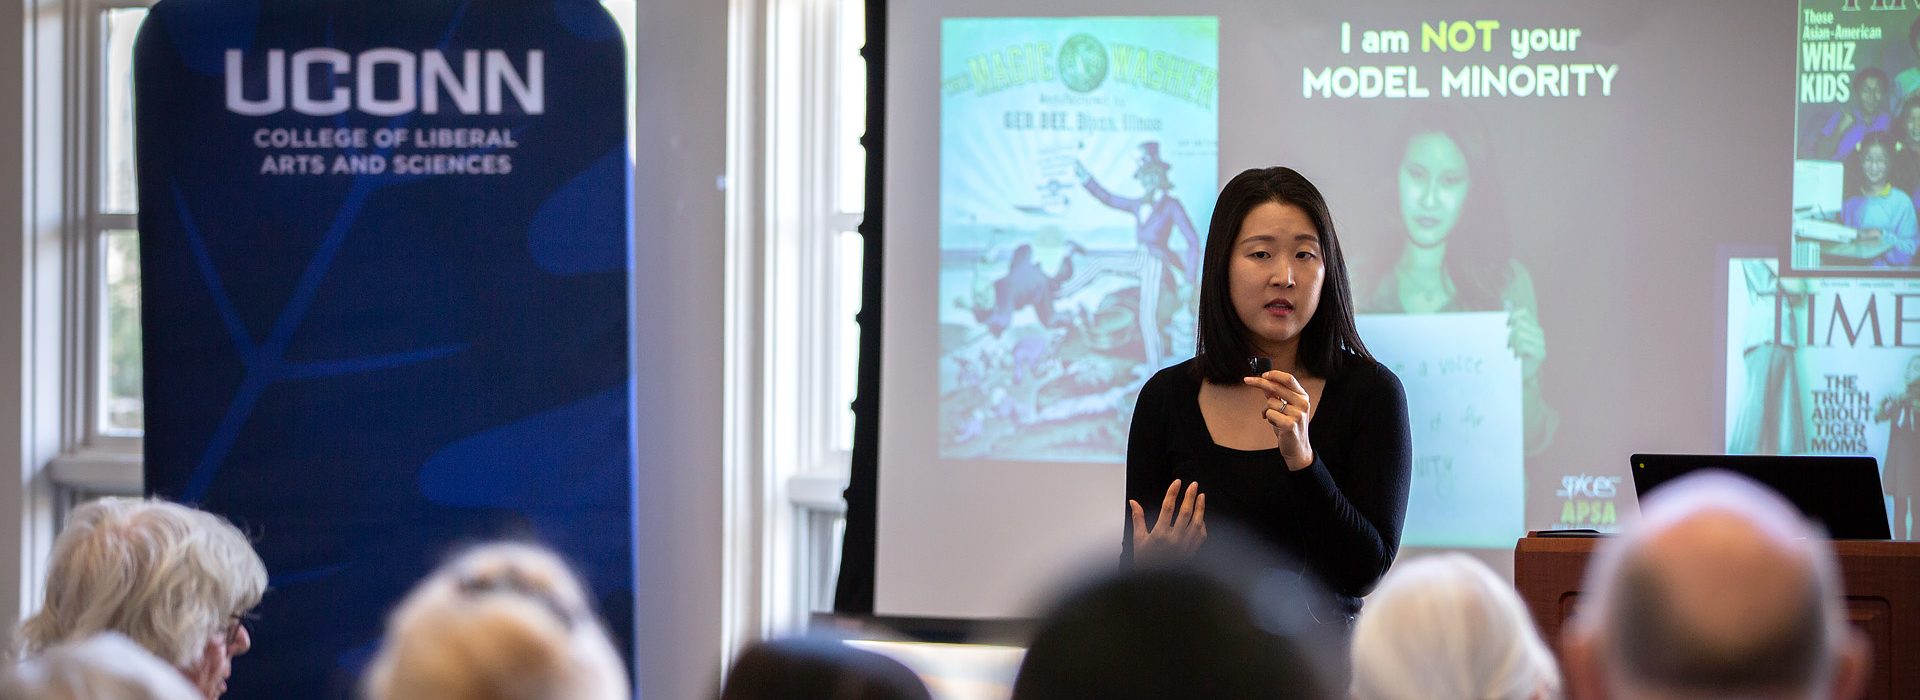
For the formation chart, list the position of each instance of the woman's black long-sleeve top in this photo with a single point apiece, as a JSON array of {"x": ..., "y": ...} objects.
[{"x": 1340, "y": 516}]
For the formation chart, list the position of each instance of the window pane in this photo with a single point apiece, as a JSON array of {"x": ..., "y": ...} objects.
[
  {"x": 117, "y": 194},
  {"x": 851, "y": 252},
  {"x": 852, "y": 85},
  {"x": 122, "y": 406},
  {"x": 826, "y": 531}
]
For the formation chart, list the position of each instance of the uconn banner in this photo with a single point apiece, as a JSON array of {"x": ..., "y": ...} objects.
[{"x": 385, "y": 299}]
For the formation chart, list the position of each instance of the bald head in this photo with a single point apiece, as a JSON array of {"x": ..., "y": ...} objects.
[{"x": 1722, "y": 588}]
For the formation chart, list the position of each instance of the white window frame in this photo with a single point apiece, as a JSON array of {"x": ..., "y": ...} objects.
[
  {"x": 39, "y": 300},
  {"x": 92, "y": 461},
  {"x": 784, "y": 467}
]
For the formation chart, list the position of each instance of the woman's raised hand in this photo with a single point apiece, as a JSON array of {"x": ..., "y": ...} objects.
[
  {"x": 1288, "y": 410},
  {"x": 1168, "y": 540}
]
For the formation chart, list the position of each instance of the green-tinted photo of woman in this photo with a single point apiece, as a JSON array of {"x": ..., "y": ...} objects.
[{"x": 1457, "y": 251}]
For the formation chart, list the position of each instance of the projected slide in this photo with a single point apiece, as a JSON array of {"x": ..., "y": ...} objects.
[
  {"x": 1536, "y": 204},
  {"x": 1826, "y": 365},
  {"x": 1078, "y": 161},
  {"x": 1857, "y": 147}
]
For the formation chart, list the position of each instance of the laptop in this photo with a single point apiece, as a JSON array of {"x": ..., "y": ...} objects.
[{"x": 1840, "y": 493}]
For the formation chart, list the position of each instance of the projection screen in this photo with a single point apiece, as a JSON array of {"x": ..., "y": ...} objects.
[{"x": 1679, "y": 227}]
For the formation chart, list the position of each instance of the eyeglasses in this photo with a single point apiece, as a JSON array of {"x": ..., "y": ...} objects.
[{"x": 237, "y": 623}]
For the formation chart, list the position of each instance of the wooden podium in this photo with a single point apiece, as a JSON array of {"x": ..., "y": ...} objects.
[{"x": 1883, "y": 599}]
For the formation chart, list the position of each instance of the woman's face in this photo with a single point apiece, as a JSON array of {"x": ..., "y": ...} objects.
[
  {"x": 1275, "y": 275},
  {"x": 1151, "y": 179},
  {"x": 1433, "y": 187},
  {"x": 210, "y": 673},
  {"x": 1911, "y": 126},
  {"x": 1873, "y": 164}
]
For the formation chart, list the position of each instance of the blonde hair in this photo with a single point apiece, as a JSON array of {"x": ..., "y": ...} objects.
[
  {"x": 167, "y": 576},
  {"x": 500, "y": 622},
  {"x": 1446, "y": 626},
  {"x": 107, "y": 666}
]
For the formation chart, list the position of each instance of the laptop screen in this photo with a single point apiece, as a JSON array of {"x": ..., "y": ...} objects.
[{"x": 1841, "y": 493}]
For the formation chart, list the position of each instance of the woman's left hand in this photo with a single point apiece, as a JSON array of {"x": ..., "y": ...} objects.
[{"x": 1288, "y": 409}]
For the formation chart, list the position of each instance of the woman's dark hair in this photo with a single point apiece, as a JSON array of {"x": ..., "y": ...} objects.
[
  {"x": 1329, "y": 336},
  {"x": 1173, "y": 633},
  {"x": 819, "y": 669},
  {"x": 1906, "y": 173},
  {"x": 1860, "y": 80},
  {"x": 1899, "y": 124},
  {"x": 1479, "y": 257}
]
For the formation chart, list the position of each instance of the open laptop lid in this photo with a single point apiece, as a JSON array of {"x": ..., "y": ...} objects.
[{"x": 1840, "y": 493}]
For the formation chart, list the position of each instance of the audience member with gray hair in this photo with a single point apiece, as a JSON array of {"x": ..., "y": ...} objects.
[
  {"x": 1722, "y": 589},
  {"x": 175, "y": 580},
  {"x": 500, "y": 622},
  {"x": 107, "y": 666},
  {"x": 1446, "y": 627}
]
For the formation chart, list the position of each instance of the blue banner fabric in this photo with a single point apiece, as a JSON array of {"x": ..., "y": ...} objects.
[{"x": 384, "y": 248}]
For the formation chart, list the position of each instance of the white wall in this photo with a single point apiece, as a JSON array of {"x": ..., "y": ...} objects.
[
  {"x": 681, "y": 107},
  {"x": 13, "y": 224}
]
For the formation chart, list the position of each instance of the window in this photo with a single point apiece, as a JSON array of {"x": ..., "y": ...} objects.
[
  {"x": 831, "y": 92},
  {"x": 797, "y": 109},
  {"x": 850, "y": 162},
  {"x": 120, "y": 408},
  {"x": 101, "y": 388}
]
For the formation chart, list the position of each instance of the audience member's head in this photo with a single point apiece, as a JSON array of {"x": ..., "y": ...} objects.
[
  {"x": 173, "y": 579},
  {"x": 1177, "y": 632},
  {"x": 500, "y": 622},
  {"x": 1722, "y": 589},
  {"x": 819, "y": 669},
  {"x": 107, "y": 666},
  {"x": 1446, "y": 627}
]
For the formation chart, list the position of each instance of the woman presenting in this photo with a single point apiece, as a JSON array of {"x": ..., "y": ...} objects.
[{"x": 1312, "y": 455}]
